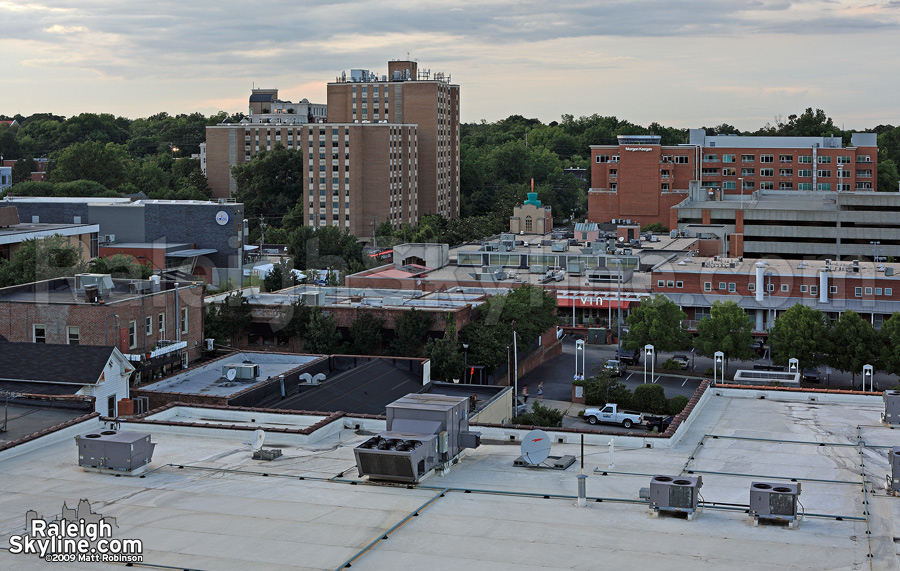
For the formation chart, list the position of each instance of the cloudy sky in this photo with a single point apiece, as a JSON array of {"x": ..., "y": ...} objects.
[{"x": 680, "y": 63}]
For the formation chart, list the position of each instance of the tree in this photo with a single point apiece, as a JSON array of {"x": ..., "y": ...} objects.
[
  {"x": 727, "y": 329},
  {"x": 540, "y": 415},
  {"x": 446, "y": 361},
  {"x": 41, "y": 259},
  {"x": 281, "y": 276},
  {"x": 22, "y": 170},
  {"x": 656, "y": 321},
  {"x": 365, "y": 334},
  {"x": 801, "y": 333},
  {"x": 271, "y": 183},
  {"x": 121, "y": 266},
  {"x": 889, "y": 335},
  {"x": 602, "y": 388},
  {"x": 90, "y": 160},
  {"x": 326, "y": 247},
  {"x": 852, "y": 344},
  {"x": 226, "y": 321},
  {"x": 649, "y": 397},
  {"x": 411, "y": 329},
  {"x": 322, "y": 336}
]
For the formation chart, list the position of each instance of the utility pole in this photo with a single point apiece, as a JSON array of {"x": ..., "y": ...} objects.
[{"x": 262, "y": 231}]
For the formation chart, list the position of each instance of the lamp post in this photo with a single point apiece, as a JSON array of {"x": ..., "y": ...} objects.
[
  {"x": 718, "y": 365},
  {"x": 579, "y": 346},
  {"x": 649, "y": 351},
  {"x": 465, "y": 361},
  {"x": 618, "y": 262},
  {"x": 867, "y": 373},
  {"x": 793, "y": 365}
]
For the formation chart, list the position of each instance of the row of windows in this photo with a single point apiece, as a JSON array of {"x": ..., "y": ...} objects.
[
  {"x": 731, "y": 287},
  {"x": 73, "y": 332}
]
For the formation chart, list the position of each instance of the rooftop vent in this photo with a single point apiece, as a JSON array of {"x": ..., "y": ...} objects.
[
  {"x": 891, "y": 414},
  {"x": 115, "y": 451},
  {"x": 772, "y": 501},
  {"x": 675, "y": 493}
]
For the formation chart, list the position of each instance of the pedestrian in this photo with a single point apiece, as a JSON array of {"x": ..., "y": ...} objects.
[
  {"x": 541, "y": 391},
  {"x": 525, "y": 392}
]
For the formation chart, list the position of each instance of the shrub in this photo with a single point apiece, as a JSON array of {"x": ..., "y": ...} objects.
[
  {"x": 649, "y": 397},
  {"x": 709, "y": 372},
  {"x": 602, "y": 388},
  {"x": 677, "y": 404},
  {"x": 670, "y": 365},
  {"x": 540, "y": 415}
]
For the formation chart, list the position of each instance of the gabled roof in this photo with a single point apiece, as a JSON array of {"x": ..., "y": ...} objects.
[{"x": 62, "y": 364}]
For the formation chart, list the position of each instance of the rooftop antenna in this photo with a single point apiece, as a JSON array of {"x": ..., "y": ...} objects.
[
  {"x": 231, "y": 374},
  {"x": 536, "y": 452}
]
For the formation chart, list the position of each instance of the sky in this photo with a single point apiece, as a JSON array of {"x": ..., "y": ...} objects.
[{"x": 680, "y": 63}]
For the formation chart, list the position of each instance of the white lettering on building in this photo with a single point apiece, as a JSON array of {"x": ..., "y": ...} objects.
[{"x": 643, "y": 149}]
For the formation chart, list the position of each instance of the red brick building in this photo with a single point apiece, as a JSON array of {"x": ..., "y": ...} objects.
[{"x": 640, "y": 180}]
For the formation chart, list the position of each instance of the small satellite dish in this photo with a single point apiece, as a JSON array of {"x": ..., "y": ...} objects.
[
  {"x": 231, "y": 374},
  {"x": 535, "y": 447},
  {"x": 258, "y": 438}
]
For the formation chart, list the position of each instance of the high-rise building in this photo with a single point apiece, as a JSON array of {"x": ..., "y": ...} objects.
[
  {"x": 641, "y": 180},
  {"x": 408, "y": 95}
]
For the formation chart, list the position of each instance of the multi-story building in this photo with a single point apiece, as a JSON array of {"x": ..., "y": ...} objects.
[
  {"x": 408, "y": 95},
  {"x": 641, "y": 180}
]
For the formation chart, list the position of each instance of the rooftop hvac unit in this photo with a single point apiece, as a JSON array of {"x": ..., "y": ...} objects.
[
  {"x": 777, "y": 502},
  {"x": 391, "y": 301},
  {"x": 537, "y": 269},
  {"x": 313, "y": 298},
  {"x": 242, "y": 371},
  {"x": 893, "y": 484},
  {"x": 675, "y": 493},
  {"x": 891, "y": 413},
  {"x": 559, "y": 247},
  {"x": 103, "y": 282},
  {"x": 115, "y": 451},
  {"x": 574, "y": 268}
]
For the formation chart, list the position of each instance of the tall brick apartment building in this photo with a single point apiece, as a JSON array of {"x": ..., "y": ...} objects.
[
  {"x": 641, "y": 180},
  {"x": 388, "y": 151},
  {"x": 412, "y": 96}
]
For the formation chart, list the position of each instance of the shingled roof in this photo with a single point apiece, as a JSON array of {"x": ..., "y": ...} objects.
[{"x": 63, "y": 364}]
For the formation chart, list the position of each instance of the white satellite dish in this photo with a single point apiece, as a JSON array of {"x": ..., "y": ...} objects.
[
  {"x": 259, "y": 437},
  {"x": 231, "y": 374},
  {"x": 535, "y": 447}
]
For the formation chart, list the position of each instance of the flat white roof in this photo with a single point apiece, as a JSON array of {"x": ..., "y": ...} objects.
[{"x": 206, "y": 504}]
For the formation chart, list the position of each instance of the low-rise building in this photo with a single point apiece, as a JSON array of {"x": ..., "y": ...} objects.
[{"x": 530, "y": 217}]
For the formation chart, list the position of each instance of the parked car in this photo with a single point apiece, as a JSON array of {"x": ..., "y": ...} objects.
[
  {"x": 811, "y": 375},
  {"x": 629, "y": 356},
  {"x": 611, "y": 414},
  {"x": 657, "y": 421},
  {"x": 682, "y": 360},
  {"x": 615, "y": 366},
  {"x": 759, "y": 347}
]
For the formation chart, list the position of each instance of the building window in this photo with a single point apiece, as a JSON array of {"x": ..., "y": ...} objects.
[
  {"x": 824, "y": 160},
  {"x": 722, "y": 285},
  {"x": 786, "y": 172},
  {"x": 863, "y": 159},
  {"x": 843, "y": 159},
  {"x": 707, "y": 286},
  {"x": 670, "y": 284},
  {"x": 766, "y": 172},
  {"x": 39, "y": 333},
  {"x": 767, "y": 185},
  {"x": 710, "y": 158},
  {"x": 728, "y": 158},
  {"x": 184, "y": 320},
  {"x": 804, "y": 159},
  {"x": 868, "y": 291},
  {"x": 132, "y": 334},
  {"x": 823, "y": 186},
  {"x": 888, "y": 291},
  {"x": 823, "y": 173},
  {"x": 767, "y": 158},
  {"x": 804, "y": 186},
  {"x": 732, "y": 287},
  {"x": 785, "y": 159},
  {"x": 73, "y": 334},
  {"x": 805, "y": 173},
  {"x": 751, "y": 286},
  {"x": 528, "y": 224},
  {"x": 803, "y": 288},
  {"x": 859, "y": 292},
  {"x": 660, "y": 283},
  {"x": 729, "y": 171},
  {"x": 878, "y": 291},
  {"x": 602, "y": 158},
  {"x": 729, "y": 184},
  {"x": 148, "y": 325},
  {"x": 784, "y": 288},
  {"x": 813, "y": 290},
  {"x": 681, "y": 160},
  {"x": 679, "y": 285},
  {"x": 832, "y": 289},
  {"x": 747, "y": 172},
  {"x": 770, "y": 287},
  {"x": 161, "y": 324},
  {"x": 748, "y": 158}
]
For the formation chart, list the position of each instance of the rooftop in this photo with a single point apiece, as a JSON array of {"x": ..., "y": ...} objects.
[
  {"x": 62, "y": 290},
  {"x": 26, "y": 230},
  {"x": 206, "y": 505},
  {"x": 209, "y": 378}
]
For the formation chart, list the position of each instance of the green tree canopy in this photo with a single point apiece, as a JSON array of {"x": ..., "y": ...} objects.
[
  {"x": 852, "y": 344},
  {"x": 411, "y": 329},
  {"x": 271, "y": 183},
  {"x": 322, "y": 336},
  {"x": 121, "y": 266},
  {"x": 801, "y": 333},
  {"x": 90, "y": 160},
  {"x": 325, "y": 247},
  {"x": 889, "y": 336},
  {"x": 365, "y": 334},
  {"x": 42, "y": 259},
  {"x": 444, "y": 353},
  {"x": 226, "y": 321},
  {"x": 727, "y": 329},
  {"x": 656, "y": 321}
]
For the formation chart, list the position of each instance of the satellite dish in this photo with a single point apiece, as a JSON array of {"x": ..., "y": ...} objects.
[
  {"x": 231, "y": 374},
  {"x": 535, "y": 447},
  {"x": 258, "y": 438}
]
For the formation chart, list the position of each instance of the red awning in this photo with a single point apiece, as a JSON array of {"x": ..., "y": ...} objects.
[{"x": 592, "y": 301}]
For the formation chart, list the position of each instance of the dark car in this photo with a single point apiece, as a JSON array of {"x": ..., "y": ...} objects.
[
  {"x": 629, "y": 356},
  {"x": 759, "y": 347},
  {"x": 811, "y": 375}
]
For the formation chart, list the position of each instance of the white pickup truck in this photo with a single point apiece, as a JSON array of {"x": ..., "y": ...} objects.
[{"x": 610, "y": 414}]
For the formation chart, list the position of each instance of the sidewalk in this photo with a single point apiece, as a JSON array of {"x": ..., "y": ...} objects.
[{"x": 568, "y": 408}]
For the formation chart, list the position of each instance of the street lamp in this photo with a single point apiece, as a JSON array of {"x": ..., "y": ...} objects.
[
  {"x": 867, "y": 373},
  {"x": 649, "y": 351},
  {"x": 579, "y": 346},
  {"x": 793, "y": 365},
  {"x": 618, "y": 262},
  {"x": 718, "y": 365},
  {"x": 465, "y": 360}
]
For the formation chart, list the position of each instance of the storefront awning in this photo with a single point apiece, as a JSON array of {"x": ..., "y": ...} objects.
[{"x": 591, "y": 301}]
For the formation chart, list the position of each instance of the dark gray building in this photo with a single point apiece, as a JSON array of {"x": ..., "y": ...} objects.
[{"x": 214, "y": 231}]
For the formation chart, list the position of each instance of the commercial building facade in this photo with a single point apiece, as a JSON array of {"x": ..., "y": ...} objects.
[{"x": 640, "y": 180}]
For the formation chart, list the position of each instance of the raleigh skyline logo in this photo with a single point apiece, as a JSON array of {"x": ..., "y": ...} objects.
[{"x": 76, "y": 535}]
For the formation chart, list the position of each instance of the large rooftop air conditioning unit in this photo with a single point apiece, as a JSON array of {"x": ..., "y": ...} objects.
[
  {"x": 891, "y": 413},
  {"x": 778, "y": 502},
  {"x": 242, "y": 371},
  {"x": 424, "y": 432},
  {"x": 103, "y": 283},
  {"x": 893, "y": 484},
  {"x": 675, "y": 493},
  {"x": 114, "y": 451}
]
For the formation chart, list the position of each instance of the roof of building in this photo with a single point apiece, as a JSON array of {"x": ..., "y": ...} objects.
[
  {"x": 365, "y": 389},
  {"x": 59, "y": 364},
  {"x": 62, "y": 290},
  {"x": 205, "y": 503},
  {"x": 24, "y": 417},
  {"x": 262, "y": 97},
  {"x": 24, "y": 231}
]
